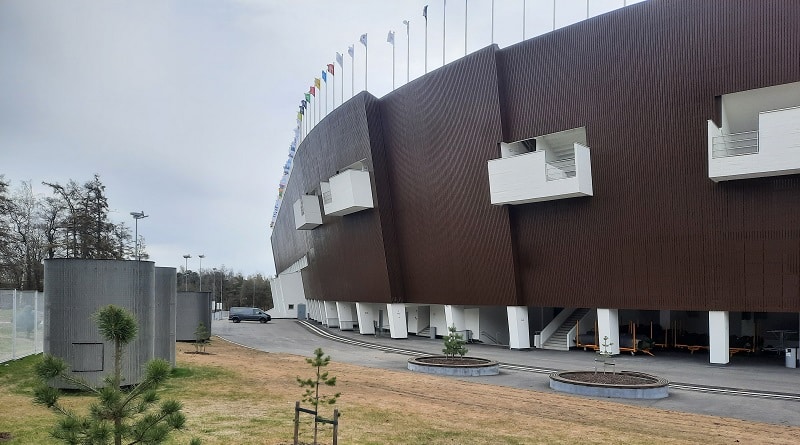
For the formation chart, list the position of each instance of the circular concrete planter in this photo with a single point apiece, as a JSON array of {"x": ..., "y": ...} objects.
[
  {"x": 459, "y": 366},
  {"x": 631, "y": 385}
]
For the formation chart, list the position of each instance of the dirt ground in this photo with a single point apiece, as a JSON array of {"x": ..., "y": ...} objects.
[{"x": 391, "y": 407}]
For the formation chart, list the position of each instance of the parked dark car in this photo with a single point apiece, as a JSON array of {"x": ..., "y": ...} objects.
[{"x": 238, "y": 314}]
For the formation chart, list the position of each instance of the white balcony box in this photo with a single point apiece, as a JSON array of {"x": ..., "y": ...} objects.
[
  {"x": 772, "y": 150},
  {"x": 559, "y": 168},
  {"x": 307, "y": 213},
  {"x": 759, "y": 134},
  {"x": 347, "y": 192}
]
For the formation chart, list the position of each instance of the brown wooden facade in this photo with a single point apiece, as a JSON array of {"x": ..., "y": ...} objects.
[{"x": 657, "y": 234}]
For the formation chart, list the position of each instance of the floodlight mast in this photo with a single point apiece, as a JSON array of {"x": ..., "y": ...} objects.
[
  {"x": 186, "y": 273},
  {"x": 136, "y": 217}
]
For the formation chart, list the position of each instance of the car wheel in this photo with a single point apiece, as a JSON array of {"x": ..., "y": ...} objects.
[
  {"x": 235, "y": 319},
  {"x": 262, "y": 320}
]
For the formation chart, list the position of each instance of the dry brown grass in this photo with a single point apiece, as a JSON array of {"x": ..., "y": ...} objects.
[{"x": 235, "y": 395}]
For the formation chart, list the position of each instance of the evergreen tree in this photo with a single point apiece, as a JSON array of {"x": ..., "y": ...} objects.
[
  {"x": 311, "y": 394},
  {"x": 119, "y": 415},
  {"x": 454, "y": 343}
]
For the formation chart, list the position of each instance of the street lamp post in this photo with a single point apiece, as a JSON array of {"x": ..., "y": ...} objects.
[
  {"x": 201, "y": 271},
  {"x": 186, "y": 273},
  {"x": 136, "y": 217}
]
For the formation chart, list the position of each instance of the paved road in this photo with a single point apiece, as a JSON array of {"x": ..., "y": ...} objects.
[{"x": 764, "y": 390}]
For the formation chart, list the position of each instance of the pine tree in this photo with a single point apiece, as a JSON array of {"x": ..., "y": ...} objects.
[
  {"x": 130, "y": 415},
  {"x": 454, "y": 343},
  {"x": 312, "y": 385}
]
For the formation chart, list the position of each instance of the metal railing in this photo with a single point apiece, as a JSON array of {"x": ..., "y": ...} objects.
[
  {"x": 21, "y": 323},
  {"x": 560, "y": 169},
  {"x": 736, "y": 144}
]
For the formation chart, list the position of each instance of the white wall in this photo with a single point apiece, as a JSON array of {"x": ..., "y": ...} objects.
[
  {"x": 438, "y": 319},
  {"x": 287, "y": 290}
]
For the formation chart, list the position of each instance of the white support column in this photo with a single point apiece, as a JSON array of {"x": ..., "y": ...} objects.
[
  {"x": 317, "y": 314},
  {"x": 331, "y": 314},
  {"x": 454, "y": 316},
  {"x": 412, "y": 318},
  {"x": 664, "y": 319},
  {"x": 719, "y": 337},
  {"x": 346, "y": 316},
  {"x": 397, "y": 320},
  {"x": 366, "y": 315},
  {"x": 518, "y": 331},
  {"x": 608, "y": 326},
  {"x": 311, "y": 307}
]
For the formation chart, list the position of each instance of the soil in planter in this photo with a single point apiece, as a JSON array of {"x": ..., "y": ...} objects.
[
  {"x": 451, "y": 361},
  {"x": 608, "y": 378}
]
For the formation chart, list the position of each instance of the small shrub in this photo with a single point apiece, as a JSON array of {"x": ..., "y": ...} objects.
[{"x": 454, "y": 343}]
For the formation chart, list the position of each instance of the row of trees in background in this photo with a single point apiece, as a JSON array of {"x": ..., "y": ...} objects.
[
  {"x": 229, "y": 288},
  {"x": 72, "y": 222}
]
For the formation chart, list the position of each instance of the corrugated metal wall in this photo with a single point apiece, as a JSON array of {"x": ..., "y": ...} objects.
[
  {"x": 657, "y": 233},
  {"x": 191, "y": 309},
  {"x": 78, "y": 288},
  {"x": 166, "y": 283}
]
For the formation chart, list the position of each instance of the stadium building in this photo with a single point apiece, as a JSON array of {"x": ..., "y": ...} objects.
[{"x": 637, "y": 171}]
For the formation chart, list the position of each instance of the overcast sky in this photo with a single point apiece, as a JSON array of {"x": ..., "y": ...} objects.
[{"x": 186, "y": 109}]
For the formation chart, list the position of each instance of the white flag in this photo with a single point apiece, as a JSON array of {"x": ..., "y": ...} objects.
[
  {"x": 363, "y": 39},
  {"x": 390, "y": 37}
]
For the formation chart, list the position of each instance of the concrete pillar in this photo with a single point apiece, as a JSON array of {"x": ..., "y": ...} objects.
[
  {"x": 719, "y": 337},
  {"x": 518, "y": 331},
  {"x": 346, "y": 316},
  {"x": 664, "y": 319},
  {"x": 412, "y": 318},
  {"x": 317, "y": 311},
  {"x": 397, "y": 320},
  {"x": 331, "y": 314},
  {"x": 454, "y": 316},
  {"x": 366, "y": 315},
  {"x": 608, "y": 326}
]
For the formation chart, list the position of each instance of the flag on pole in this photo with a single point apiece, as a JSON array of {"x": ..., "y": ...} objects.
[
  {"x": 325, "y": 76},
  {"x": 330, "y": 65},
  {"x": 390, "y": 37},
  {"x": 312, "y": 91},
  {"x": 317, "y": 82},
  {"x": 363, "y": 39},
  {"x": 339, "y": 60},
  {"x": 425, "y": 12},
  {"x": 308, "y": 98},
  {"x": 350, "y": 50},
  {"x": 304, "y": 103}
]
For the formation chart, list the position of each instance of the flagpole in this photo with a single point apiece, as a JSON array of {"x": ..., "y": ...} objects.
[
  {"x": 523, "y": 18},
  {"x": 465, "y": 27},
  {"x": 425, "y": 14},
  {"x": 554, "y": 15},
  {"x": 363, "y": 41},
  {"x": 326, "y": 97},
  {"x": 351, "y": 50},
  {"x": 408, "y": 51},
  {"x": 444, "y": 27},
  {"x": 333, "y": 89},
  {"x": 390, "y": 39}
]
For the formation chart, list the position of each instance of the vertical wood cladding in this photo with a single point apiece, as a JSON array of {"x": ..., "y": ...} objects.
[
  {"x": 643, "y": 81},
  {"x": 439, "y": 132},
  {"x": 657, "y": 233},
  {"x": 346, "y": 255}
]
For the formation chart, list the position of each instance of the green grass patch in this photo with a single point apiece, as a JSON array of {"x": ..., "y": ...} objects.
[{"x": 18, "y": 375}]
